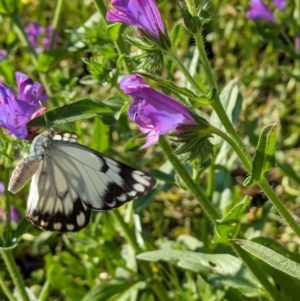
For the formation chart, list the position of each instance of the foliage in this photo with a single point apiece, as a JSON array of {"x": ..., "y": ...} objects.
[{"x": 224, "y": 228}]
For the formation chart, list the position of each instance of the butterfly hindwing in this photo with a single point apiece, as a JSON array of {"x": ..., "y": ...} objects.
[{"x": 52, "y": 207}]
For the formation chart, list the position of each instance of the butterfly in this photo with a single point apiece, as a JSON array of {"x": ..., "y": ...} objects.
[{"x": 69, "y": 180}]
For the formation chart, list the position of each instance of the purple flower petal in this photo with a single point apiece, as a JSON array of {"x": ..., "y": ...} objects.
[
  {"x": 2, "y": 188},
  {"x": 280, "y": 4},
  {"x": 143, "y": 14},
  {"x": 15, "y": 112},
  {"x": 29, "y": 91},
  {"x": 33, "y": 31},
  {"x": 155, "y": 113},
  {"x": 259, "y": 10},
  {"x": 47, "y": 41},
  {"x": 3, "y": 54},
  {"x": 14, "y": 214}
]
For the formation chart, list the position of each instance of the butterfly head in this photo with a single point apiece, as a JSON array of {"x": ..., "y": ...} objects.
[{"x": 49, "y": 133}]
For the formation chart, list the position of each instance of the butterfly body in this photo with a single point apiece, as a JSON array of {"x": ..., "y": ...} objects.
[{"x": 69, "y": 180}]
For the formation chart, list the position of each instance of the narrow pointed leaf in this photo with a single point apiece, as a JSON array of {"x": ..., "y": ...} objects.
[
  {"x": 217, "y": 269},
  {"x": 228, "y": 227},
  {"x": 264, "y": 159},
  {"x": 272, "y": 258},
  {"x": 198, "y": 99}
]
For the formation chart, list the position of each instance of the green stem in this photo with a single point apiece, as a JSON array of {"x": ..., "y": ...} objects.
[
  {"x": 10, "y": 150},
  {"x": 44, "y": 294},
  {"x": 186, "y": 73},
  {"x": 210, "y": 181},
  {"x": 258, "y": 273},
  {"x": 5, "y": 290},
  {"x": 236, "y": 145},
  {"x": 8, "y": 232},
  {"x": 198, "y": 193},
  {"x": 216, "y": 101},
  {"x": 296, "y": 70},
  {"x": 285, "y": 214},
  {"x": 129, "y": 235},
  {"x": 205, "y": 62},
  {"x": 14, "y": 273},
  {"x": 18, "y": 27},
  {"x": 55, "y": 25}
]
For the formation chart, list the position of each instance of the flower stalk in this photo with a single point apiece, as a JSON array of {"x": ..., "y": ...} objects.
[
  {"x": 186, "y": 73},
  {"x": 197, "y": 192},
  {"x": 55, "y": 22},
  {"x": 5, "y": 290},
  {"x": 14, "y": 273}
]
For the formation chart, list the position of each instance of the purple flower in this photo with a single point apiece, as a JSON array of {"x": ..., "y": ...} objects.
[
  {"x": 15, "y": 112},
  {"x": 155, "y": 113},
  {"x": 14, "y": 214},
  {"x": 35, "y": 31},
  {"x": 259, "y": 10},
  {"x": 143, "y": 14},
  {"x": 280, "y": 4},
  {"x": 2, "y": 188},
  {"x": 3, "y": 54}
]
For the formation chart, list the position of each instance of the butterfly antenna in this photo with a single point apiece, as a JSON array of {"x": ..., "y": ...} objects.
[{"x": 45, "y": 114}]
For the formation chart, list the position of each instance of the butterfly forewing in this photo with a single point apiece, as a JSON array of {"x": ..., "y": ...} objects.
[
  {"x": 102, "y": 183},
  {"x": 72, "y": 179}
]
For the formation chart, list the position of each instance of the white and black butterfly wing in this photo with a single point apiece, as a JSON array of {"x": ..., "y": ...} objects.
[
  {"x": 53, "y": 203},
  {"x": 72, "y": 179}
]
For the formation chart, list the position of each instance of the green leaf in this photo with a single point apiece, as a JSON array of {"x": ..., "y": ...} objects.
[
  {"x": 177, "y": 33},
  {"x": 101, "y": 136},
  {"x": 198, "y": 99},
  {"x": 229, "y": 226},
  {"x": 115, "y": 103},
  {"x": 218, "y": 269},
  {"x": 48, "y": 58},
  {"x": 287, "y": 285},
  {"x": 231, "y": 100},
  {"x": 99, "y": 69},
  {"x": 10, "y": 7},
  {"x": 112, "y": 290},
  {"x": 79, "y": 110},
  {"x": 272, "y": 258},
  {"x": 277, "y": 247},
  {"x": 264, "y": 159},
  {"x": 73, "y": 293},
  {"x": 223, "y": 193},
  {"x": 204, "y": 16},
  {"x": 114, "y": 31}
]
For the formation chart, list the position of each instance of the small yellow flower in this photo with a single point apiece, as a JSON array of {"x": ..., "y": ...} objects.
[{"x": 154, "y": 268}]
